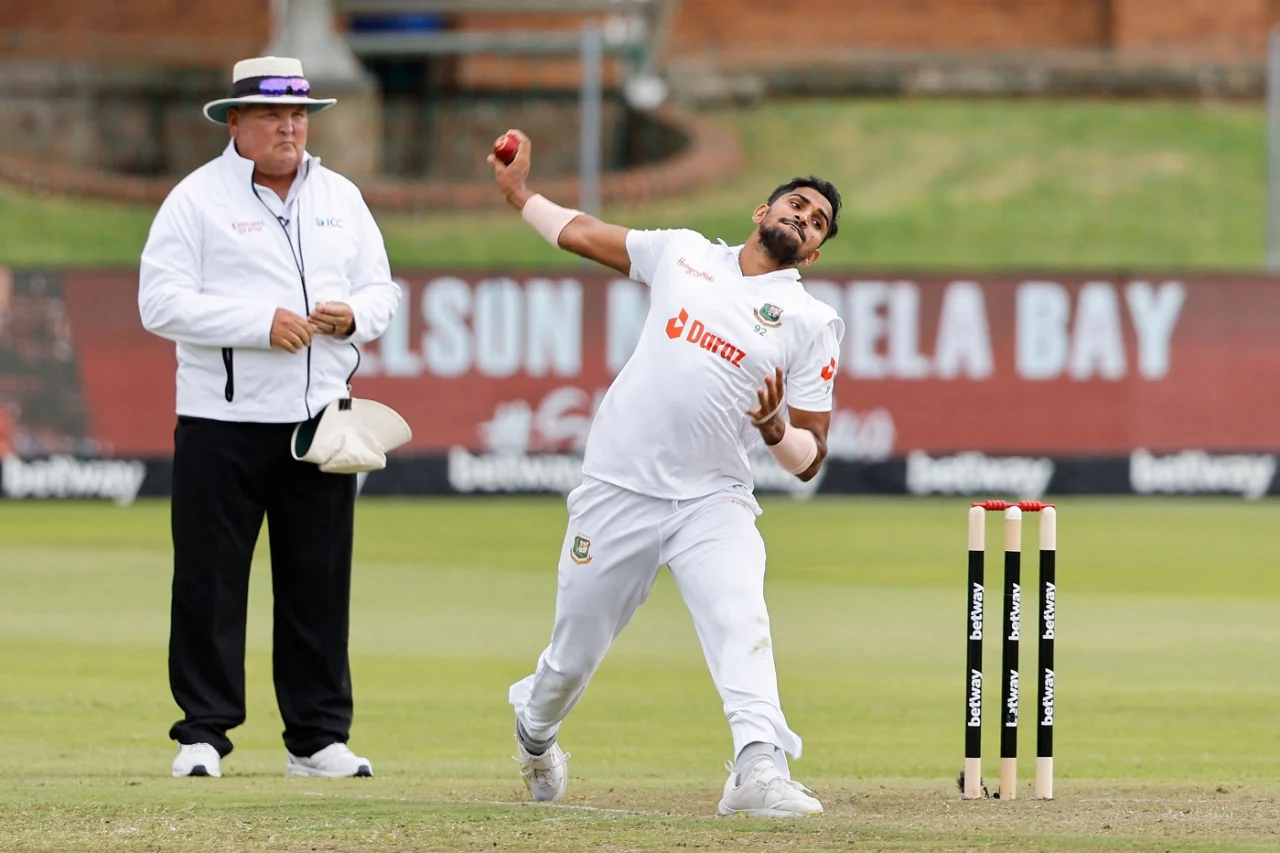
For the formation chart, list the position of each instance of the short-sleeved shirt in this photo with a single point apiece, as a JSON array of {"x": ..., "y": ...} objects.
[{"x": 673, "y": 424}]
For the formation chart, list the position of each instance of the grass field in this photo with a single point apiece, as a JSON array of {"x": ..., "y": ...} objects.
[
  {"x": 928, "y": 185},
  {"x": 1168, "y": 652}
]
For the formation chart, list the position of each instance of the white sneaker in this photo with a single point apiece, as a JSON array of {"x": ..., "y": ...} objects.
[
  {"x": 197, "y": 759},
  {"x": 765, "y": 792},
  {"x": 546, "y": 776},
  {"x": 335, "y": 761}
]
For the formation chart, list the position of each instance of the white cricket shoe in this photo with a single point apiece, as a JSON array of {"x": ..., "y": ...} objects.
[
  {"x": 335, "y": 761},
  {"x": 197, "y": 759},
  {"x": 765, "y": 792},
  {"x": 547, "y": 775}
]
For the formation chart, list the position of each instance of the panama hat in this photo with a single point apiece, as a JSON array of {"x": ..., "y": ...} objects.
[
  {"x": 266, "y": 80},
  {"x": 350, "y": 436}
]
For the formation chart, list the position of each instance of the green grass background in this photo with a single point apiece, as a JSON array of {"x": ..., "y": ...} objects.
[{"x": 1168, "y": 650}]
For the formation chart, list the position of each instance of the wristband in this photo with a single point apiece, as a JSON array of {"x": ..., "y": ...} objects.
[
  {"x": 547, "y": 217},
  {"x": 797, "y": 450}
]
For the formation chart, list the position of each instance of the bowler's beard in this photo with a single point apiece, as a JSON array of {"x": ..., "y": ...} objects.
[{"x": 782, "y": 242}]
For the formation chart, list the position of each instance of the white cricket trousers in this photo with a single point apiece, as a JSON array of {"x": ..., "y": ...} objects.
[{"x": 614, "y": 545}]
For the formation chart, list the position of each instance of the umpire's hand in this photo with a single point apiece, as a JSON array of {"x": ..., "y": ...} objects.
[
  {"x": 333, "y": 318},
  {"x": 289, "y": 332}
]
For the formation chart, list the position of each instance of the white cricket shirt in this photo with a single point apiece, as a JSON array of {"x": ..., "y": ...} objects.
[{"x": 673, "y": 424}]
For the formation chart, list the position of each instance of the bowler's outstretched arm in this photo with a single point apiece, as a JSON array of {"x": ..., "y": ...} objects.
[{"x": 571, "y": 230}]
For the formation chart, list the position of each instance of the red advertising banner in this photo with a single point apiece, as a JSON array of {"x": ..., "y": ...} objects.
[{"x": 1056, "y": 364}]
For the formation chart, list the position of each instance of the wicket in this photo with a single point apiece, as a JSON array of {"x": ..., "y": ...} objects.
[{"x": 971, "y": 777}]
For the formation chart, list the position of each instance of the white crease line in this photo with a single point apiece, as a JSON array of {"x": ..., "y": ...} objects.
[
  {"x": 522, "y": 804},
  {"x": 568, "y": 807}
]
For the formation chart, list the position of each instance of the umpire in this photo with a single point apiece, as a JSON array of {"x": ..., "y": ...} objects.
[{"x": 267, "y": 270}]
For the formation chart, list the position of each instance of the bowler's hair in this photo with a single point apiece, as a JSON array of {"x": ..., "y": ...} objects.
[{"x": 828, "y": 190}]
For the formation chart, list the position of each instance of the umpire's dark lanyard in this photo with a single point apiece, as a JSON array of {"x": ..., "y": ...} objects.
[{"x": 295, "y": 252}]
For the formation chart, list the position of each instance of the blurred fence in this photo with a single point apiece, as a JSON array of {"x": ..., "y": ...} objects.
[
  {"x": 440, "y": 97},
  {"x": 120, "y": 117},
  {"x": 146, "y": 122}
]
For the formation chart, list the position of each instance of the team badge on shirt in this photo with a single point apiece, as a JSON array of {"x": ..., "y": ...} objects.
[
  {"x": 581, "y": 550},
  {"x": 769, "y": 315}
]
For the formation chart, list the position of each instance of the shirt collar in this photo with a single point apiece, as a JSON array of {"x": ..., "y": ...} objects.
[
  {"x": 789, "y": 273},
  {"x": 243, "y": 167}
]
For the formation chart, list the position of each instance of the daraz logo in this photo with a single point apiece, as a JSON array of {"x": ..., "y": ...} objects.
[{"x": 699, "y": 335}]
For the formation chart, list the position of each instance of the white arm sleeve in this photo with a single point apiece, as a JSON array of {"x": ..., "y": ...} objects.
[
  {"x": 169, "y": 298},
  {"x": 375, "y": 296},
  {"x": 645, "y": 249},
  {"x": 811, "y": 380}
]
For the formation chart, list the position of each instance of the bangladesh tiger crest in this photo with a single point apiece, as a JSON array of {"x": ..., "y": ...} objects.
[
  {"x": 769, "y": 315},
  {"x": 581, "y": 550}
]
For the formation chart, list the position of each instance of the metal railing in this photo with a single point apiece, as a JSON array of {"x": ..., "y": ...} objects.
[
  {"x": 459, "y": 7},
  {"x": 1273, "y": 153},
  {"x": 637, "y": 42},
  {"x": 446, "y": 43}
]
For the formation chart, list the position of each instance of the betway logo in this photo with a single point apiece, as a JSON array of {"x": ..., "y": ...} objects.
[
  {"x": 1046, "y": 705},
  {"x": 1011, "y": 706},
  {"x": 1050, "y": 610},
  {"x": 700, "y": 335},
  {"x": 1194, "y": 471},
  {"x": 67, "y": 477},
  {"x": 975, "y": 699},
  {"x": 975, "y": 613},
  {"x": 1015, "y": 613},
  {"x": 970, "y": 473},
  {"x": 513, "y": 472}
]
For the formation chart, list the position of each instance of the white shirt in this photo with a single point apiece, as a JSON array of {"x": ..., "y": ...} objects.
[
  {"x": 224, "y": 254},
  {"x": 673, "y": 424}
]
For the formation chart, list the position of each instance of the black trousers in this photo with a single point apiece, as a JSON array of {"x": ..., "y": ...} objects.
[{"x": 226, "y": 478}]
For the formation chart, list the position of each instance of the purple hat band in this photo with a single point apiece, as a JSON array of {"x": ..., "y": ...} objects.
[{"x": 274, "y": 87}]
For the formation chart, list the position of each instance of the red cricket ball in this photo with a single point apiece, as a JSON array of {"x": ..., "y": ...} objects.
[{"x": 506, "y": 147}]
